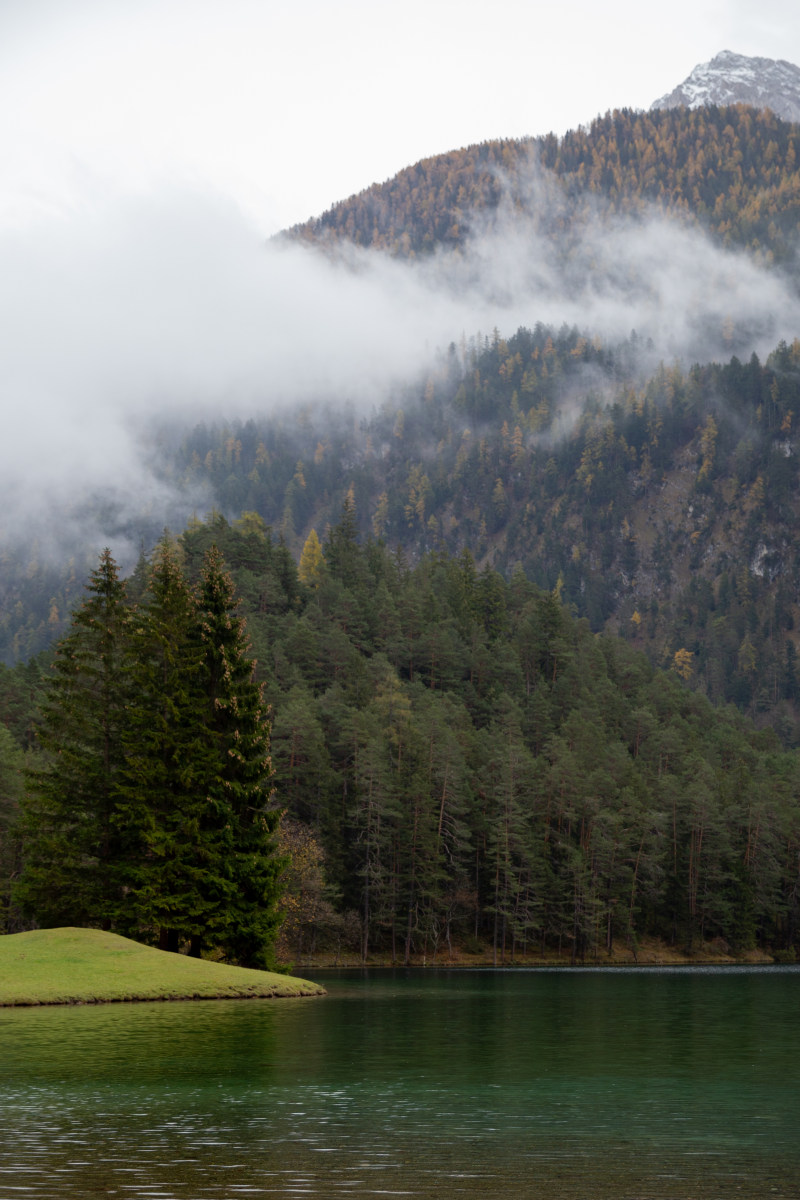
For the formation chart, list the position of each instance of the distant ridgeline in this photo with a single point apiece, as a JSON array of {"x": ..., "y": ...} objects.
[
  {"x": 731, "y": 169},
  {"x": 464, "y": 762}
]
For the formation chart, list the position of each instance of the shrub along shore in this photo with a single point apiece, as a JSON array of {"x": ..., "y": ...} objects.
[{"x": 89, "y": 966}]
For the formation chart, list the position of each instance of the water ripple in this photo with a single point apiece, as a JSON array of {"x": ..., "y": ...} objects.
[{"x": 611, "y": 1089}]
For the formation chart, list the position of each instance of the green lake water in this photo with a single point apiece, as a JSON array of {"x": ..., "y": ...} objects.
[{"x": 551, "y": 1083}]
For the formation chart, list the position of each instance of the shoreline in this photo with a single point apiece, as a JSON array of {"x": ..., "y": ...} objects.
[{"x": 650, "y": 953}]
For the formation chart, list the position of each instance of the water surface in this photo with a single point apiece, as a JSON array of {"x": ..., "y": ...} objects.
[{"x": 563, "y": 1084}]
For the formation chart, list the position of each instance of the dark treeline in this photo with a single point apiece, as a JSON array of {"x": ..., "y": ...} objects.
[
  {"x": 479, "y": 767},
  {"x": 478, "y": 764}
]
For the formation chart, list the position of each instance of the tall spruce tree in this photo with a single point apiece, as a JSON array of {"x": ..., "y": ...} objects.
[
  {"x": 151, "y": 810},
  {"x": 74, "y": 845},
  {"x": 239, "y": 812},
  {"x": 177, "y": 874}
]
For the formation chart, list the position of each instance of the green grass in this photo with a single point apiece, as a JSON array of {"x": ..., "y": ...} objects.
[{"x": 88, "y": 966}]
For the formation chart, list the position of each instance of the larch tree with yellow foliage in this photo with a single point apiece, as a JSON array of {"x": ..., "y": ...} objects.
[{"x": 312, "y": 561}]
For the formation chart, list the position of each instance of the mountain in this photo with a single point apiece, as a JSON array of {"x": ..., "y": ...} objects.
[
  {"x": 461, "y": 660},
  {"x": 737, "y": 79},
  {"x": 660, "y": 502},
  {"x": 731, "y": 171}
]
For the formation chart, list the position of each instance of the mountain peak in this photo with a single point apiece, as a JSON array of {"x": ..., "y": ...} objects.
[{"x": 736, "y": 79}]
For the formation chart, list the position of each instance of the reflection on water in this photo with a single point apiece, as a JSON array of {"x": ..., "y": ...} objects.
[{"x": 572, "y": 1084}]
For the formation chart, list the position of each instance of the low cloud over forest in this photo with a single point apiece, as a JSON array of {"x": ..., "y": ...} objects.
[{"x": 171, "y": 306}]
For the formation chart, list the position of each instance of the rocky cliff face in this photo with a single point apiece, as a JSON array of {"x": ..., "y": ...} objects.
[{"x": 735, "y": 79}]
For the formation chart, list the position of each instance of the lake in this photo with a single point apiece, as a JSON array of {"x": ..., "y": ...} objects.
[{"x": 576, "y": 1084}]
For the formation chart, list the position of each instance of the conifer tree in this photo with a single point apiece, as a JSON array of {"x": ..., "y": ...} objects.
[
  {"x": 239, "y": 812},
  {"x": 75, "y": 848},
  {"x": 342, "y": 550},
  {"x": 177, "y": 874},
  {"x": 151, "y": 812}
]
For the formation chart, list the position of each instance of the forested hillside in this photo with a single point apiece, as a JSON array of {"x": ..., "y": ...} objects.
[
  {"x": 479, "y": 767},
  {"x": 664, "y": 509},
  {"x": 732, "y": 170},
  {"x": 573, "y": 455},
  {"x": 499, "y": 611}
]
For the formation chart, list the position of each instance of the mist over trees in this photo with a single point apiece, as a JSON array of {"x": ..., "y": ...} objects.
[
  {"x": 730, "y": 169},
  {"x": 661, "y": 507},
  {"x": 526, "y": 622}
]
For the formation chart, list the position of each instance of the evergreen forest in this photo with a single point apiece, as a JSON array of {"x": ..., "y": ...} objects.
[
  {"x": 460, "y": 761},
  {"x": 511, "y": 653}
]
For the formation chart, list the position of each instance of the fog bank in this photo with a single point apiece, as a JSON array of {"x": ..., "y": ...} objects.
[{"x": 170, "y": 305}]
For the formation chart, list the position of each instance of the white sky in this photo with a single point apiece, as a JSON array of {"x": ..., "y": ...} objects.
[{"x": 289, "y": 108}]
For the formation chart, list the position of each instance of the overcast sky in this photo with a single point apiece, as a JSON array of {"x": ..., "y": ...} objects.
[{"x": 289, "y": 108}]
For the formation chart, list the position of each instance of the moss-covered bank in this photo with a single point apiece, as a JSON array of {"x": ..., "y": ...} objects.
[{"x": 88, "y": 966}]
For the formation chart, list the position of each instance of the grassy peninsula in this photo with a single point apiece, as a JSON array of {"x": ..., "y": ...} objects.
[{"x": 88, "y": 966}]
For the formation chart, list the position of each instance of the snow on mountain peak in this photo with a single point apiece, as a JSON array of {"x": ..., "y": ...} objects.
[{"x": 736, "y": 79}]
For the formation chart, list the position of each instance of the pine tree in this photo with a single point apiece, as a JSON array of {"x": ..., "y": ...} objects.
[
  {"x": 74, "y": 846},
  {"x": 240, "y": 813},
  {"x": 342, "y": 549},
  {"x": 178, "y": 876}
]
